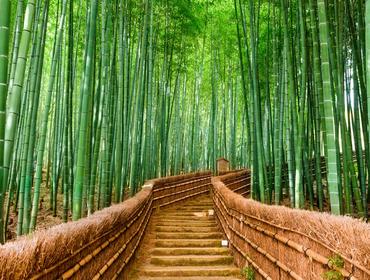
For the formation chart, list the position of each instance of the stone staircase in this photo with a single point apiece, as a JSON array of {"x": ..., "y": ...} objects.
[{"x": 184, "y": 243}]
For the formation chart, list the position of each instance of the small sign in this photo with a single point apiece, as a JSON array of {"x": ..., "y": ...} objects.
[
  {"x": 211, "y": 212},
  {"x": 225, "y": 243}
]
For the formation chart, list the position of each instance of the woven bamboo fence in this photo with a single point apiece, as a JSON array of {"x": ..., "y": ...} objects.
[
  {"x": 101, "y": 246},
  {"x": 282, "y": 243}
]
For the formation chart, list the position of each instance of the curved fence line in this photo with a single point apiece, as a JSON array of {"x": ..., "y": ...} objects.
[
  {"x": 283, "y": 243},
  {"x": 101, "y": 246},
  {"x": 279, "y": 243}
]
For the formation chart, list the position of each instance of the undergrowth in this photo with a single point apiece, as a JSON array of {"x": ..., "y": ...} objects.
[
  {"x": 335, "y": 262},
  {"x": 248, "y": 272}
]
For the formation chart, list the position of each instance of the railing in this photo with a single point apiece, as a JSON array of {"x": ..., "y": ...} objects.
[
  {"x": 281, "y": 243},
  {"x": 169, "y": 190},
  {"x": 239, "y": 182},
  {"x": 101, "y": 246}
]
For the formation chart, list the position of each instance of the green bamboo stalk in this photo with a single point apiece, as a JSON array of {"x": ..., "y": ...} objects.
[
  {"x": 329, "y": 112},
  {"x": 44, "y": 121},
  {"x": 35, "y": 92},
  {"x": 292, "y": 92},
  {"x": 67, "y": 128},
  {"x": 14, "y": 100},
  {"x": 96, "y": 149},
  {"x": 23, "y": 195},
  {"x": 4, "y": 53},
  {"x": 119, "y": 124},
  {"x": 16, "y": 41},
  {"x": 148, "y": 167},
  {"x": 367, "y": 37},
  {"x": 257, "y": 109},
  {"x": 299, "y": 196},
  {"x": 318, "y": 86},
  {"x": 359, "y": 191},
  {"x": 85, "y": 100}
]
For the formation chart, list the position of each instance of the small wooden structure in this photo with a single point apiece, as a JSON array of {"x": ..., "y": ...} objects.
[{"x": 223, "y": 165}]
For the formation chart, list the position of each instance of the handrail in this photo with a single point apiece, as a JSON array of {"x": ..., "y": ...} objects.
[
  {"x": 240, "y": 225},
  {"x": 99, "y": 246}
]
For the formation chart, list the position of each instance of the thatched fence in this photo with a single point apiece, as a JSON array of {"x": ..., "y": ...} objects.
[
  {"x": 101, "y": 246},
  {"x": 276, "y": 242},
  {"x": 281, "y": 243}
]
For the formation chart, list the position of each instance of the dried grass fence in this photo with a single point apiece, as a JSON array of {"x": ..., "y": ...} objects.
[
  {"x": 101, "y": 246},
  {"x": 282, "y": 243}
]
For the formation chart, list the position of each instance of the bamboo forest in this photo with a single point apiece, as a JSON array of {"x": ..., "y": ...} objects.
[{"x": 97, "y": 97}]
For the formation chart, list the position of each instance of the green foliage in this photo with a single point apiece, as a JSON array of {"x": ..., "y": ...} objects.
[
  {"x": 333, "y": 275},
  {"x": 336, "y": 261},
  {"x": 248, "y": 273}
]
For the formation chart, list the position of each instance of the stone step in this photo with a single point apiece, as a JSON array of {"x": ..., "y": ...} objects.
[
  {"x": 189, "y": 235},
  {"x": 196, "y": 203},
  {"x": 194, "y": 219},
  {"x": 190, "y": 251},
  {"x": 171, "y": 243},
  {"x": 189, "y": 214},
  {"x": 200, "y": 198},
  {"x": 193, "y": 210},
  {"x": 204, "y": 211},
  {"x": 179, "y": 213},
  {"x": 206, "y": 223},
  {"x": 186, "y": 245},
  {"x": 194, "y": 207},
  {"x": 191, "y": 278},
  {"x": 184, "y": 217},
  {"x": 186, "y": 228},
  {"x": 188, "y": 271},
  {"x": 199, "y": 204},
  {"x": 191, "y": 260}
]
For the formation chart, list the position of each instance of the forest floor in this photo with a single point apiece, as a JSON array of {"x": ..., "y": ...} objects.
[{"x": 45, "y": 217}]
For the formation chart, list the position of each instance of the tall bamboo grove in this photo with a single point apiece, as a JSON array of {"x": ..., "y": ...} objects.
[{"x": 98, "y": 96}]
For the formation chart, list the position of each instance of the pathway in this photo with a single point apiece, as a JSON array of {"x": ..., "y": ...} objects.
[{"x": 184, "y": 243}]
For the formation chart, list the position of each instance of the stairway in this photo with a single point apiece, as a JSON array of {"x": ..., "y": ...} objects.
[{"x": 184, "y": 243}]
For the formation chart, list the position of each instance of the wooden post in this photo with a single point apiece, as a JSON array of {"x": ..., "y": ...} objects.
[{"x": 223, "y": 165}]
